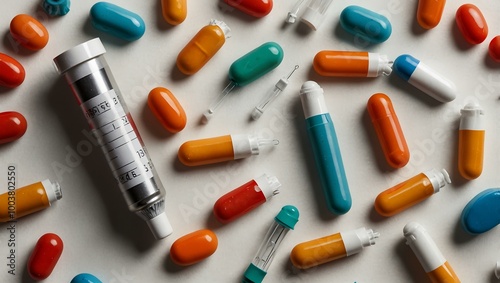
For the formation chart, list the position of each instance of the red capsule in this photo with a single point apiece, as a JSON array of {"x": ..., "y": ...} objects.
[
  {"x": 13, "y": 125},
  {"x": 494, "y": 48},
  {"x": 255, "y": 8},
  {"x": 471, "y": 23},
  {"x": 45, "y": 255},
  {"x": 11, "y": 71}
]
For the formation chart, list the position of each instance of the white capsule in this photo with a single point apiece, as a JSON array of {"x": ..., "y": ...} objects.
[{"x": 424, "y": 78}]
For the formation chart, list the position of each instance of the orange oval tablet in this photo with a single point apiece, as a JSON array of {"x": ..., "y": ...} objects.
[
  {"x": 174, "y": 11},
  {"x": 167, "y": 109},
  {"x": 388, "y": 130},
  {"x": 11, "y": 71},
  {"x": 29, "y": 32},
  {"x": 429, "y": 13},
  {"x": 13, "y": 125},
  {"x": 194, "y": 247},
  {"x": 471, "y": 23}
]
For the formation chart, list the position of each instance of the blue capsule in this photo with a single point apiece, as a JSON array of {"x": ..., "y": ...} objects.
[
  {"x": 482, "y": 213},
  {"x": 365, "y": 24},
  {"x": 117, "y": 21},
  {"x": 85, "y": 278}
]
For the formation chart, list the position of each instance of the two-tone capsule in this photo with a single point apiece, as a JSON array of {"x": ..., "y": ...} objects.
[
  {"x": 388, "y": 129},
  {"x": 245, "y": 198},
  {"x": 428, "y": 254},
  {"x": 471, "y": 141},
  {"x": 365, "y": 24},
  {"x": 429, "y": 13},
  {"x": 202, "y": 47},
  {"x": 334, "y": 63},
  {"x": 481, "y": 213},
  {"x": 117, "y": 21},
  {"x": 424, "y": 78},
  {"x": 410, "y": 192},
  {"x": 329, "y": 248},
  {"x": 220, "y": 149},
  {"x": 174, "y": 11}
]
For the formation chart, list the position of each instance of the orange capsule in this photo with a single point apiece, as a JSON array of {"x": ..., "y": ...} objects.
[
  {"x": 174, "y": 11},
  {"x": 471, "y": 23},
  {"x": 429, "y": 13},
  {"x": 389, "y": 132},
  {"x": 167, "y": 109},
  {"x": 45, "y": 255},
  {"x": 202, "y": 47},
  {"x": 193, "y": 247},
  {"x": 11, "y": 71},
  {"x": 13, "y": 125},
  {"x": 29, "y": 32}
]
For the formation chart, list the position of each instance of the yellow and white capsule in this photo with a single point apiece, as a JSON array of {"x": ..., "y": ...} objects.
[
  {"x": 471, "y": 141},
  {"x": 430, "y": 257}
]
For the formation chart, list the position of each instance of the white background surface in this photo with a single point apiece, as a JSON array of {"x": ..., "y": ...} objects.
[{"x": 103, "y": 238}]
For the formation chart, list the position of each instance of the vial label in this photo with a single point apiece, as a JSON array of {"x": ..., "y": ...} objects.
[{"x": 116, "y": 134}]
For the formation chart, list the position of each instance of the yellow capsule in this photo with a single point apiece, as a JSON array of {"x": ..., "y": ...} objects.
[
  {"x": 471, "y": 142},
  {"x": 202, "y": 47},
  {"x": 174, "y": 11}
]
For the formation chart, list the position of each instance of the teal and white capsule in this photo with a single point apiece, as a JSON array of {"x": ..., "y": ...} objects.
[
  {"x": 247, "y": 69},
  {"x": 424, "y": 78}
]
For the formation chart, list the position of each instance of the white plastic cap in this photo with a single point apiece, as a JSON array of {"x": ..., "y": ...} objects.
[
  {"x": 160, "y": 226},
  {"x": 79, "y": 54},
  {"x": 53, "y": 190},
  {"x": 313, "y": 100},
  {"x": 223, "y": 26},
  {"x": 497, "y": 270},
  {"x": 472, "y": 117},
  {"x": 247, "y": 145},
  {"x": 313, "y": 18},
  {"x": 422, "y": 245},
  {"x": 438, "y": 179},
  {"x": 378, "y": 65},
  {"x": 269, "y": 185},
  {"x": 356, "y": 240}
]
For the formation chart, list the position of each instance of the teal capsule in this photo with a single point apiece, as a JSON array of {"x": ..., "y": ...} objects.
[
  {"x": 365, "y": 24},
  {"x": 85, "y": 278},
  {"x": 256, "y": 63},
  {"x": 117, "y": 21}
]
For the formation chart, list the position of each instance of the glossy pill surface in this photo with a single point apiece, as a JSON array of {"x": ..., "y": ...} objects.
[
  {"x": 194, "y": 247},
  {"x": 494, "y": 48},
  {"x": 117, "y": 21},
  {"x": 388, "y": 129},
  {"x": 482, "y": 213},
  {"x": 85, "y": 278},
  {"x": 318, "y": 251},
  {"x": 429, "y": 13},
  {"x": 256, "y": 63},
  {"x": 471, "y": 23},
  {"x": 13, "y": 125},
  {"x": 44, "y": 256},
  {"x": 201, "y": 48},
  {"x": 174, "y": 11},
  {"x": 167, "y": 109},
  {"x": 206, "y": 151},
  {"x": 12, "y": 73},
  {"x": 29, "y": 32},
  {"x": 365, "y": 24},
  {"x": 255, "y": 8}
]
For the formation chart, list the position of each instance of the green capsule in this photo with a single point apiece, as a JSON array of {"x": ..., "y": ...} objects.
[{"x": 256, "y": 63}]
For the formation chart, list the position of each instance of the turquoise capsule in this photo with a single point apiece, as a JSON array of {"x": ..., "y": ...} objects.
[
  {"x": 365, "y": 24},
  {"x": 85, "y": 278},
  {"x": 256, "y": 63},
  {"x": 117, "y": 21}
]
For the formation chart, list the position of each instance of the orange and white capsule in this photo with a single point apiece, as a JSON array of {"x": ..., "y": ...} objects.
[
  {"x": 220, "y": 149},
  {"x": 429, "y": 13},
  {"x": 471, "y": 141},
  {"x": 388, "y": 129},
  {"x": 332, "y": 63},
  {"x": 428, "y": 254},
  {"x": 410, "y": 192},
  {"x": 202, "y": 47},
  {"x": 174, "y": 11},
  {"x": 322, "y": 250}
]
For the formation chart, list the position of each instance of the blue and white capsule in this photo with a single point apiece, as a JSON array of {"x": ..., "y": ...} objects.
[
  {"x": 326, "y": 149},
  {"x": 424, "y": 78}
]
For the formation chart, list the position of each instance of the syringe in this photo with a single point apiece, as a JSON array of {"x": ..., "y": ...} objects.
[{"x": 93, "y": 85}]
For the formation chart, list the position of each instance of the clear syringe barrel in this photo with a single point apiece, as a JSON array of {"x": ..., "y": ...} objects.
[{"x": 89, "y": 76}]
